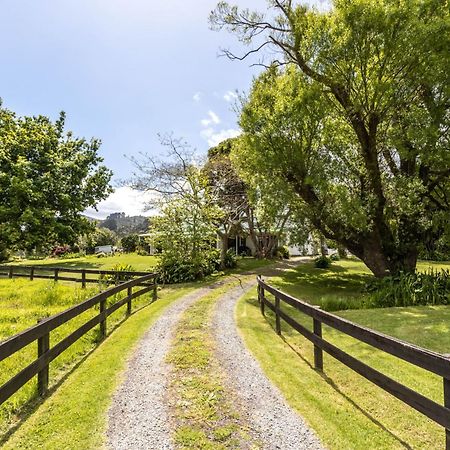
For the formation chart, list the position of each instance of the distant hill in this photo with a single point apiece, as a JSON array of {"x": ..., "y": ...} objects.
[{"x": 123, "y": 225}]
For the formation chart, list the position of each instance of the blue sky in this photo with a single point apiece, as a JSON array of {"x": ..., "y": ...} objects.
[{"x": 123, "y": 71}]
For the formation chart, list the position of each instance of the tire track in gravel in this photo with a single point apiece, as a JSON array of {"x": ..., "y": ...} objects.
[
  {"x": 139, "y": 416},
  {"x": 262, "y": 404}
]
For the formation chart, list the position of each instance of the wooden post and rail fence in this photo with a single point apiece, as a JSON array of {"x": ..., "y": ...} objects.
[
  {"x": 40, "y": 333},
  {"x": 433, "y": 362}
]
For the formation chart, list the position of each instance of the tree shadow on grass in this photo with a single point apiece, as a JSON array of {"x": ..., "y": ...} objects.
[{"x": 30, "y": 407}]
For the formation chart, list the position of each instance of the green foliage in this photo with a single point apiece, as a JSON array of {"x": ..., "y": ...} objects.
[
  {"x": 130, "y": 243},
  {"x": 47, "y": 178},
  {"x": 355, "y": 126},
  {"x": 335, "y": 257},
  {"x": 101, "y": 236},
  {"x": 119, "y": 274},
  {"x": 411, "y": 289},
  {"x": 230, "y": 259},
  {"x": 322, "y": 262},
  {"x": 283, "y": 252},
  {"x": 185, "y": 270}
]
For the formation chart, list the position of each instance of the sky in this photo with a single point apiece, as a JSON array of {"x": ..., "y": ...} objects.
[{"x": 123, "y": 71}]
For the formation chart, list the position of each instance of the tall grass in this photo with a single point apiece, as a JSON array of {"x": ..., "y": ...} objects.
[{"x": 22, "y": 304}]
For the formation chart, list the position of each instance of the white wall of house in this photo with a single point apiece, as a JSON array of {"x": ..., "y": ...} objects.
[{"x": 104, "y": 249}]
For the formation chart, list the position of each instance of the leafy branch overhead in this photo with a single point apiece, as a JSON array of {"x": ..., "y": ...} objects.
[{"x": 351, "y": 116}]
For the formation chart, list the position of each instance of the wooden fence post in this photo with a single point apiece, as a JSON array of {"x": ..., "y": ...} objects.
[
  {"x": 277, "y": 316},
  {"x": 262, "y": 301},
  {"x": 129, "y": 292},
  {"x": 103, "y": 321},
  {"x": 83, "y": 278},
  {"x": 155, "y": 291},
  {"x": 31, "y": 274},
  {"x": 11, "y": 269},
  {"x": 56, "y": 274},
  {"x": 447, "y": 405},
  {"x": 43, "y": 347},
  {"x": 318, "y": 354}
]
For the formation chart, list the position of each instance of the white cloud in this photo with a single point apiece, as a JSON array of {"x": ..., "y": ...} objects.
[
  {"x": 123, "y": 199},
  {"x": 213, "y": 119},
  {"x": 216, "y": 137},
  {"x": 197, "y": 97},
  {"x": 230, "y": 96}
]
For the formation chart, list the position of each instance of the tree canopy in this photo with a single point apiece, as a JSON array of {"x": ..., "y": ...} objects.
[
  {"x": 351, "y": 116},
  {"x": 47, "y": 178}
]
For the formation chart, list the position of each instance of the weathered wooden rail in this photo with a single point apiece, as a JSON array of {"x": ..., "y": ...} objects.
[
  {"x": 40, "y": 333},
  {"x": 57, "y": 274},
  {"x": 426, "y": 359}
]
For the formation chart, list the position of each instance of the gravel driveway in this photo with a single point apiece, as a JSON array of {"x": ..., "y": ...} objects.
[
  {"x": 273, "y": 421},
  {"x": 138, "y": 417}
]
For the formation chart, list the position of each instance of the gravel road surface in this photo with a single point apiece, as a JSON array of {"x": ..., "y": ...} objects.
[{"x": 275, "y": 424}]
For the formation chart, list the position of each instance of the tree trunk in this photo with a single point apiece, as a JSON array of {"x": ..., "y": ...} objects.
[
  {"x": 223, "y": 249},
  {"x": 323, "y": 246}
]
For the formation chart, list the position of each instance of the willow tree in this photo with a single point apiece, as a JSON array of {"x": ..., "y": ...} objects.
[{"x": 352, "y": 115}]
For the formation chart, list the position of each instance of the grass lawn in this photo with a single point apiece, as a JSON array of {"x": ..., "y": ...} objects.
[
  {"x": 347, "y": 411},
  {"x": 22, "y": 303},
  {"x": 139, "y": 263},
  {"x": 337, "y": 288},
  {"x": 79, "y": 406}
]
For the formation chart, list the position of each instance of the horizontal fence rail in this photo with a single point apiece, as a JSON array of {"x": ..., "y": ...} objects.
[
  {"x": 55, "y": 273},
  {"x": 40, "y": 332},
  {"x": 426, "y": 359}
]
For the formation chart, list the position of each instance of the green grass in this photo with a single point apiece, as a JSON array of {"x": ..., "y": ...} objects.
[
  {"x": 22, "y": 303},
  {"x": 139, "y": 263},
  {"x": 75, "y": 415},
  {"x": 345, "y": 410},
  {"x": 336, "y": 288},
  {"x": 204, "y": 414}
]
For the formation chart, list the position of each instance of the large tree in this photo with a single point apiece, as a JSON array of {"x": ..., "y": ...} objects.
[
  {"x": 47, "y": 178},
  {"x": 355, "y": 123}
]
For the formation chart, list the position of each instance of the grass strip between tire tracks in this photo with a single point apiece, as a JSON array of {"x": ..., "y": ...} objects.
[{"x": 204, "y": 414}]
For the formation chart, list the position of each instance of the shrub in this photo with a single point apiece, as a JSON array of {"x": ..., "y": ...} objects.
[
  {"x": 243, "y": 250},
  {"x": 409, "y": 289},
  {"x": 119, "y": 274},
  {"x": 283, "y": 252},
  {"x": 130, "y": 243},
  {"x": 173, "y": 270},
  {"x": 142, "y": 252},
  {"x": 60, "y": 250},
  {"x": 335, "y": 257},
  {"x": 230, "y": 259},
  {"x": 322, "y": 262}
]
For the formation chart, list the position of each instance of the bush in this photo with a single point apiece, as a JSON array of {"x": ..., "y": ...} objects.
[
  {"x": 182, "y": 271},
  {"x": 283, "y": 252},
  {"x": 119, "y": 275},
  {"x": 243, "y": 250},
  {"x": 142, "y": 252},
  {"x": 409, "y": 289},
  {"x": 130, "y": 243},
  {"x": 60, "y": 250},
  {"x": 335, "y": 257},
  {"x": 230, "y": 259},
  {"x": 322, "y": 262}
]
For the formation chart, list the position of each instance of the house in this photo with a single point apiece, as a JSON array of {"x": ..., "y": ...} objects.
[{"x": 108, "y": 249}]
